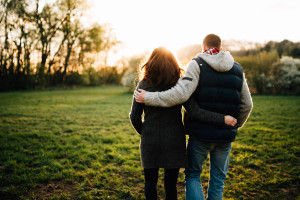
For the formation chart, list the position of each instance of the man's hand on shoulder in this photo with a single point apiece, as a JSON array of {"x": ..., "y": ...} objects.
[{"x": 140, "y": 96}]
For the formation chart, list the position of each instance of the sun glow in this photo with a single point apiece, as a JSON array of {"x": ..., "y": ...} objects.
[{"x": 144, "y": 25}]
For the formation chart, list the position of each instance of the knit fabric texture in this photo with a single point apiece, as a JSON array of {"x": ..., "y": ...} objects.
[{"x": 162, "y": 133}]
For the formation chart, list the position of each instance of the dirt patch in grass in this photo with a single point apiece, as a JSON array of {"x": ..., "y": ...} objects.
[
  {"x": 180, "y": 189},
  {"x": 62, "y": 188},
  {"x": 291, "y": 190}
]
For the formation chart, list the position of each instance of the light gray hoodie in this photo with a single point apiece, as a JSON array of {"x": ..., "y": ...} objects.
[{"x": 186, "y": 85}]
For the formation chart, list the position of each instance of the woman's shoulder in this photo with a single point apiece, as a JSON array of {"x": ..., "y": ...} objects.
[
  {"x": 143, "y": 84},
  {"x": 146, "y": 85}
]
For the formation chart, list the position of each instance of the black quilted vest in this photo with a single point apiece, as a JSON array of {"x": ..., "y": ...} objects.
[{"x": 219, "y": 92}]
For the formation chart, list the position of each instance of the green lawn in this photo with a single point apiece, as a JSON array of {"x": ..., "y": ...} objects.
[{"x": 79, "y": 144}]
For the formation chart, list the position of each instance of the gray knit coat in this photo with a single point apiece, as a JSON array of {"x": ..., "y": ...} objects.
[{"x": 163, "y": 143}]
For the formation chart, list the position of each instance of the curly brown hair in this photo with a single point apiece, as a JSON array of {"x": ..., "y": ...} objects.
[{"x": 162, "y": 69}]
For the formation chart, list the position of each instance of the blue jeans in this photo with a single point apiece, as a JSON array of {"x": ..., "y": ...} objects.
[{"x": 219, "y": 159}]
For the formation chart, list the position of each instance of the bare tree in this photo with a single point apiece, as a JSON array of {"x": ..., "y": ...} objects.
[
  {"x": 72, "y": 27},
  {"x": 48, "y": 23},
  {"x": 7, "y": 6},
  {"x": 109, "y": 41}
]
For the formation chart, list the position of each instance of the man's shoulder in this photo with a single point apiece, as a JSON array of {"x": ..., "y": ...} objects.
[
  {"x": 193, "y": 65},
  {"x": 198, "y": 60},
  {"x": 237, "y": 64}
]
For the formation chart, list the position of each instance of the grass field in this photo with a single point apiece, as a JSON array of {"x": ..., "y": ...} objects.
[{"x": 79, "y": 144}]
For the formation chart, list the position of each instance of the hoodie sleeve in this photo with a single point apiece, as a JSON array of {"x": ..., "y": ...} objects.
[
  {"x": 246, "y": 104},
  {"x": 179, "y": 93}
]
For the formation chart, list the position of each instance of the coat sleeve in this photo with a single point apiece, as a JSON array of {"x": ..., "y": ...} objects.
[
  {"x": 179, "y": 93},
  {"x": 194, "y": 111},
  {"x": 135, "y": 114}
]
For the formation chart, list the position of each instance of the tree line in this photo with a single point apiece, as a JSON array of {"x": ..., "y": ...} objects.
[
  {"x": 273, "y": 68},
  {"x": 45, "y": 44}
]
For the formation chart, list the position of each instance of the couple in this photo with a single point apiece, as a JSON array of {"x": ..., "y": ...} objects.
[{"x": 217, "y": 101}]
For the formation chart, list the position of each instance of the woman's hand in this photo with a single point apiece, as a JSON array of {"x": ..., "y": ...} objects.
[{"x": 231, "y": 121}]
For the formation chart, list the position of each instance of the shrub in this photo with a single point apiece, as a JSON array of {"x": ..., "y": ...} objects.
[
  {"x": 258, "y": 70},
  {"x": 74, "y": 78},
  {"x": 130, "y": 78},
  {"x": 287, "y": 75}
]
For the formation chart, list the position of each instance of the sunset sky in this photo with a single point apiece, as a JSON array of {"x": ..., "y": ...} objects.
[{"x": 145, "y": 24}]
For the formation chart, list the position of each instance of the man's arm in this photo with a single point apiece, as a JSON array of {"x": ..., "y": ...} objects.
[
  {"x": 246, "y": 104},
  {"x": 195, "y": 112},
  {"x": 178, "y": 94}
]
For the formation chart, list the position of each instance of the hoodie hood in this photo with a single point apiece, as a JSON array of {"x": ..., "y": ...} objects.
[{"x": 221, "y": 62}]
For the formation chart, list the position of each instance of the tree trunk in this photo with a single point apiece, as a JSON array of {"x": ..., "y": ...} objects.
[
  {"x": 5, "y": 50},
  {"x": 43, "y": 63},
  {"x": 19, "y": 47},
  {"x": 2, "y": 72},
  {"x": 11, "y": 67},
  {"x": 69, "y": 50},
  {"x": 27, "y": 61},
  {"x": 51, "y": 62},
  {"x": 42, "y": 67}
]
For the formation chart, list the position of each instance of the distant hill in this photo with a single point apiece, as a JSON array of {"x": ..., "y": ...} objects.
[
  {"x": 186, "y": 53},
  {"x": 190, "y": 51},
  {"x": 285, "y": 47},
  {"x": 243, "y": 48}
]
